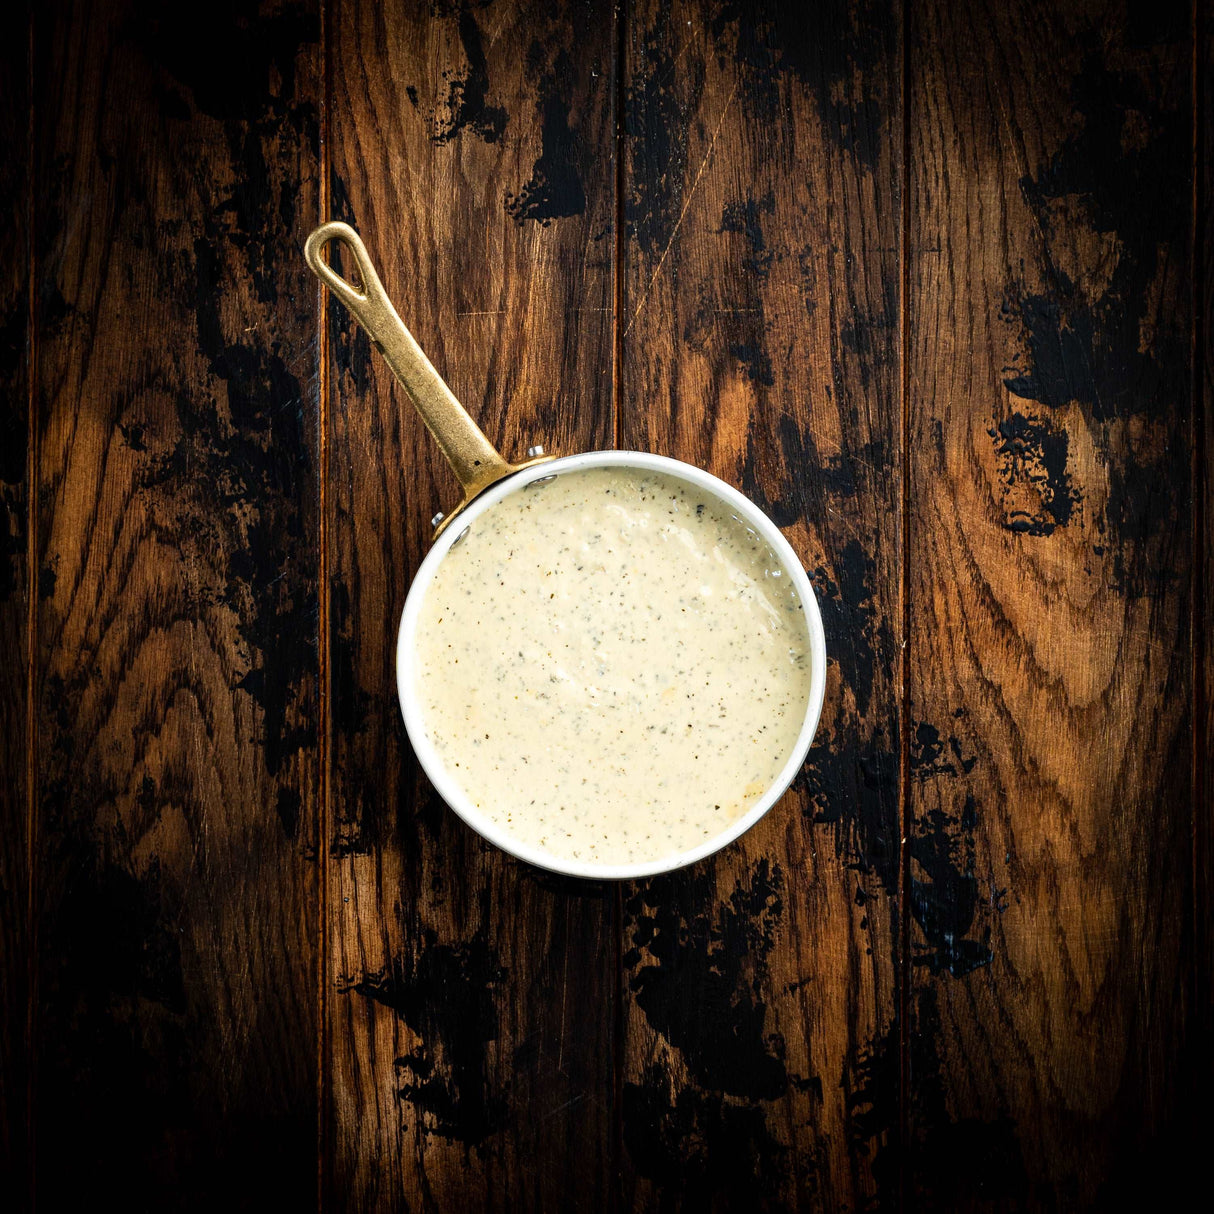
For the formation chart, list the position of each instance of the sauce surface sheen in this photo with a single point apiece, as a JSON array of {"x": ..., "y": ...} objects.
[{"x": 612, "y": 666}]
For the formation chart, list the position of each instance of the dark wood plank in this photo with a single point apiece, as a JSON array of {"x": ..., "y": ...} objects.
[
  {"x": 760, "y": 340},
  {"x": 177, "y": 892},
  {"x": 14, "y": 601},
  {"x": 472, "y": 1000},
  {"x": 1050, "y": 557}
]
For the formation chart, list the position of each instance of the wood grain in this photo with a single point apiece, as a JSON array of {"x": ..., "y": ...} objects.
[
  {"x": 1050, "y": 555},
  {"x": 14, "y": 602},
  {"x": 472, "y": 1000},
  {"x": 971, "y": 240},
  {"x": 760, "y": 340},
  {"x": 175, "y": 170}
]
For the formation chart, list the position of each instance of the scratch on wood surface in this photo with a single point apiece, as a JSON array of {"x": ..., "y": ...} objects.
[
  {"x": 568, "y": 1104},
  {"x": 669, "y": 75},
  {"x": 493, "y": 36},
  {"x": 560, "y": 1049},
  {"x": 844, "y": 521},
  {"x": 686, "y": 206}
]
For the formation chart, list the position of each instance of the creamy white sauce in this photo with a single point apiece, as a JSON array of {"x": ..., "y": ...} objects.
[{"x": 612, "y": 666}]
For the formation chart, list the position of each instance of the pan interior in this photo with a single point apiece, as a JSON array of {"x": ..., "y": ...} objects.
[{"x": 613, "y": 665}]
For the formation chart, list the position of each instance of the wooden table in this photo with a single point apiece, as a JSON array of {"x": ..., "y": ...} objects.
[{"x": 925, "y": 280}]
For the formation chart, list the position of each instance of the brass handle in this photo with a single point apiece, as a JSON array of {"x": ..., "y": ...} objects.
[{"x": 472, "y": 457}]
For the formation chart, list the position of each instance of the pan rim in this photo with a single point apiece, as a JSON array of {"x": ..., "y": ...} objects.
[{"x": 449, "y": 789}]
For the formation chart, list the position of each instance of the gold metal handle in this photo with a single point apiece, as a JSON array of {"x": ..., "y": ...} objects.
[{"x": 472, "y": 457}]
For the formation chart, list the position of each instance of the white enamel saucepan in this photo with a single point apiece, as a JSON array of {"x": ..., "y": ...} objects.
[{"x": 487, "y": 479}]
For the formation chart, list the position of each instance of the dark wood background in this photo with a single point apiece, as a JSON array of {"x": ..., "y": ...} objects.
[{"x": 928, "y": 280}]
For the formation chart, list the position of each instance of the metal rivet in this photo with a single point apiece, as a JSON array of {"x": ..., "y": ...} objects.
[
  {"x": 438, "y": 518},
  {"x": 460, "y": 537},
  {"x": 532, "y": 452}
]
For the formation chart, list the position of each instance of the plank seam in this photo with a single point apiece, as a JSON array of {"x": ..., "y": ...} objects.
[
  {"x": 323, "y": 1080},
  {"x": 617, "y": 337},
  {"x": 1198, "y": 604},
  {"x": 904, "y": 814},
  {"x": 620, "y": 13},
  {"x": 31, "y": 633}
]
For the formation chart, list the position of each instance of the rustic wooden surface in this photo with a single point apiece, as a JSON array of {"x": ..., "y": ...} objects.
[
  {"x": 470, "y": 1000},
  {"x": 1050, "y": 550},
  {"x": 929, "y": 280},
  {"x": 174, "y": 489},
  {"x": 759, "y": 339}
]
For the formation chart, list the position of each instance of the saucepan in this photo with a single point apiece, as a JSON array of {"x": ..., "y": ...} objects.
[{"x": 495, "y": 492}]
